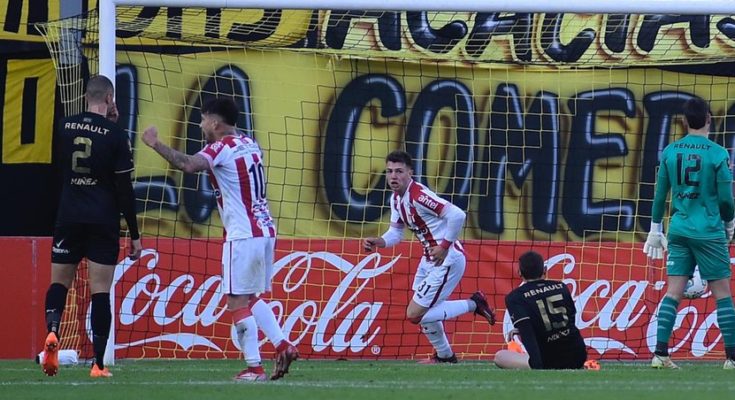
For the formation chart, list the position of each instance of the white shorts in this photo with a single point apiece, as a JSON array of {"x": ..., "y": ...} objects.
[
  {"x": 247, "y": 265},
  {"x": 434, "y": 284}
]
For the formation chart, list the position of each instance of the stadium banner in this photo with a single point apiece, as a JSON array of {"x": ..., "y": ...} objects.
[
  {"x": 17, "y": 19},
  {"x": 470, "y": 37},
  {"x": 335, "y": 301}
]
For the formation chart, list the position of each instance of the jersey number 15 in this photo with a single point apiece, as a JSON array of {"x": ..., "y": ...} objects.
[{"x": 549, "y": 310}]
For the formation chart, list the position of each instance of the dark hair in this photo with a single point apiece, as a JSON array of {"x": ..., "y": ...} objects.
[
  {"x": 224, "y": 107},
  {"x": 400, "y": 156},
  {"x": 98, "y": 87},
  {"x": 532, "y": 265},
  {"x": 696, "y": 111}
]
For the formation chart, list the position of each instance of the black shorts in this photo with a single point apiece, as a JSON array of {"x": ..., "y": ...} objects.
[
  {"x": 74, "y": 241},
  {"x": 573, "y": 358}
]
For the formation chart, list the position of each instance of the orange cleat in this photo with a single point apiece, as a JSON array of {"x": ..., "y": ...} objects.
[
  {"x": 515, "y": 347},
  {"x": 96, "y": 372},
  {"x": 51, "y": 357},
  {"x": 592, "y": 365}
]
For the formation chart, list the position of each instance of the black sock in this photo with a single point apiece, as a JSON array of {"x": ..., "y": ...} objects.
[
  {"x": 101, "y": 318},
  {"x": 55, "y": 303},
  {"x": 662, "y": 349},
  {"x": 730, "y": 353}
]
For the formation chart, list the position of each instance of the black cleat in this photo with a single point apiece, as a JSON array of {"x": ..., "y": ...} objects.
[
  {"x": 482, "y": 308},
  {"x": 435, "y": 359},
  {"x": 284, "y": 358}
]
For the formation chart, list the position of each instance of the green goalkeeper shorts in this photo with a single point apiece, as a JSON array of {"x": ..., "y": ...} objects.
[{"x": 712, "y": 256}]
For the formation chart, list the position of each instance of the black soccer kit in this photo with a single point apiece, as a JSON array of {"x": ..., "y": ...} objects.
[
  {"x": 543, "y": 311},
  {"x": 93, "y": 151}
]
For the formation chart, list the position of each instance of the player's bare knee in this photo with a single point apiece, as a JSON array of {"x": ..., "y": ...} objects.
[
  {"x": 414, "y": 315},
  {"x": 675, "y": 296},
  {"x": 237, "y": 301},
  {"x": 498, "y": 359}
]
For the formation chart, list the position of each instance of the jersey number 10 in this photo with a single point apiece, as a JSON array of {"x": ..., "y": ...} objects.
[{"x": 257, "y": 172}]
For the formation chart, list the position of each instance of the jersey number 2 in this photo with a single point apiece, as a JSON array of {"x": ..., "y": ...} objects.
[{"x": 81, "y": 155}]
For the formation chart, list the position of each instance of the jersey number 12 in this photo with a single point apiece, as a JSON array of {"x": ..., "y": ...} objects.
[{"x": 685, "y": 175}]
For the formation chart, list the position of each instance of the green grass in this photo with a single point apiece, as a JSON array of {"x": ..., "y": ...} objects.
[{"x": 382, "y": 380}]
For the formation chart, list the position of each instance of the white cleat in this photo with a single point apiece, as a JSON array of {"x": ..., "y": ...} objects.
[
  {"x": 663, "y": 362},
  {"x": 729, "y": 364}
]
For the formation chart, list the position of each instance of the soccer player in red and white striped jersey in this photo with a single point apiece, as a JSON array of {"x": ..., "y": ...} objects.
[
  {"x": 436, "y": 224},
  {"x": 234, "y": 162}
]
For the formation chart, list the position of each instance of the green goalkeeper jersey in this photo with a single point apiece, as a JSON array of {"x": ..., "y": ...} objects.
[{"x": 697, "y": 171}]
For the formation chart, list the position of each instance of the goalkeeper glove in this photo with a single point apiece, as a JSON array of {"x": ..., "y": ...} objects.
[
  {"x": 656, "y": 242},
  {"x": 730, "y": 229}
]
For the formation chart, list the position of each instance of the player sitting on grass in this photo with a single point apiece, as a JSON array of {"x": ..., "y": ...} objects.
[{"x": 543, "y": 315}]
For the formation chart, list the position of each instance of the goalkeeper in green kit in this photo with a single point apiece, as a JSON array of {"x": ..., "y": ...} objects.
[{"x": 697, "y": 172}]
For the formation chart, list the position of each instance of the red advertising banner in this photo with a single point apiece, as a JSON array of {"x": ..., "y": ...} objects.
[{"x": 335, "y": 301}]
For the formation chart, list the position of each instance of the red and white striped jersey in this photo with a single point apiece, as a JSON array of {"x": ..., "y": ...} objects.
[
  {"x": 420, "y": 210},
  {"x": 238, "y": 178}
]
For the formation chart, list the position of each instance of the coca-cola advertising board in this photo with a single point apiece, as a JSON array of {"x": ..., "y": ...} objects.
[{"x": 335, "y": 301}]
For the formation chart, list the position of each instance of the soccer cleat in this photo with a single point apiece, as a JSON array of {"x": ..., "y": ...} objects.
[
  {"x": 284, "y": 358},
  {"x": 435, "y": 359},
  {"x": 516, "y": 347},
  {"x": 729, "y": 364},
  {"x": 251, "y": 374},
  {"x": 482, "y": 308},
  {"x": 663, "y": 362},
  {"x": 96, "y": 372},
  {"x": 51, "y": 356},
  {"x": 592, "y": 365}
]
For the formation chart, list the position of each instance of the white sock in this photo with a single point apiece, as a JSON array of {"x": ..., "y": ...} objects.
[
  {"x": 448, "y": 310},
  {"x": 247, "y": 335},
  {"x": 267, "y": 323},
  {"x": 434, "y": 331}
]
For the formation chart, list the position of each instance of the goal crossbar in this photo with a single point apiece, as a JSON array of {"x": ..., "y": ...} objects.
[{"x": 700, "y": 7}]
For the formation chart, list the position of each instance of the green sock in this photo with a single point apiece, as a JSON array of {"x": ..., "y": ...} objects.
[
  {"x": 666, "y": 318},
  {"x": 726, "y": 320}
]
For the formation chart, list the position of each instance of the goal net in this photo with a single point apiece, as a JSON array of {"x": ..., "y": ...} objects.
[{"x": 546, "y": 128}]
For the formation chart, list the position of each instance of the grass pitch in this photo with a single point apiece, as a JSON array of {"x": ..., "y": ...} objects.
[{"x": 368, "y": 380}]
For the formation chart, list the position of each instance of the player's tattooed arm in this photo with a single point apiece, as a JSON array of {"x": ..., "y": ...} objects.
[{"x": 179, "y": 160}]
